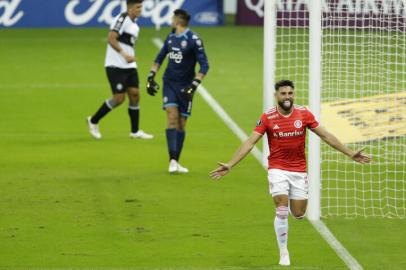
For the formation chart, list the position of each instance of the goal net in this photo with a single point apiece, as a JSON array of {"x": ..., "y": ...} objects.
[{"x": 363, "y": 96}]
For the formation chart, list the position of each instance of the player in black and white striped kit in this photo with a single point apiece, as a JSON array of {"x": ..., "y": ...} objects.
[{"x": 121, "y": 69}]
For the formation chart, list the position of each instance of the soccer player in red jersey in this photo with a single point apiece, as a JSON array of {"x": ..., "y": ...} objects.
[{"x": 285, "y": 126}]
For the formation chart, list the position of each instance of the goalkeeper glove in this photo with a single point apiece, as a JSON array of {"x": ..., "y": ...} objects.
[
  {"x": 191, "y": 89},
  {"x": 152, "y": 86}
]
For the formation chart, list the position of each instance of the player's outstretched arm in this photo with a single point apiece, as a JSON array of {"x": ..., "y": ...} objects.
[
  {"x": 334, "y": 142},
  {"x": 219, "y": 172},
  {"x": 360, "y": 157},
  {"x": 241, "y": 153}
]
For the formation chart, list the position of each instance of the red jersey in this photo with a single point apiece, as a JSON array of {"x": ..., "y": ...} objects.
[{"x": 287, "y": 137}]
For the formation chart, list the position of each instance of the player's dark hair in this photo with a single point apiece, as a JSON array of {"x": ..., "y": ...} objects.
[
  {"x": 182, "y": 15},
  {"x": 130, "y": 2},
  {"x": 283, "y": 83}
]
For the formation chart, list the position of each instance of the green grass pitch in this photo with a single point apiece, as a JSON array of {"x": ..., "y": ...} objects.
[{"x": 68, "y": 201}]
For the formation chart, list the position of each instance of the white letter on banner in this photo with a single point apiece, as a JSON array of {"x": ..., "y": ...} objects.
[
  {"x": 258, "y": 8},
  {"x": 150, "y": 9},
  {"x": 358, "y": 7},
  {"x": 348, "y": 4},
  {"x": 370, "y": 5},
  {"x": 281, "y": 7},
  {"x": 299, "y": 4},
  {"x": 324, "y": 6},
  {"x": 289, "y": 6},
  {"x": 107, "y": 15},
  {"x": 7, "y": 18},
  {"x": 79, "y": 19},
  {"x": 392, "y": 5},
  {"x": 399, "y": 8}
]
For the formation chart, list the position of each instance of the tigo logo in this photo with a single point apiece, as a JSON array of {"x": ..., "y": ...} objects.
[{"x": 177, "y": 57}]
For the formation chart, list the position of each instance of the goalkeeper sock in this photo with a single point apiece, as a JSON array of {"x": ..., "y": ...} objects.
[
  {"x": 180, "y": 138},
  {"x": 134, "y": 113},
  {"x": 171, "y": 142},
  {"x": 104, "y": 109},
  {"x": 281, "y": 227}
]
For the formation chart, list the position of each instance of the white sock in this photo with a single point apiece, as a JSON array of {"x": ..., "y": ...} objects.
[{"x": 281, "y": 227}]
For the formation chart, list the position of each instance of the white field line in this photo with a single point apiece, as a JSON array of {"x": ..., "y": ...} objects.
[
  {"x": 341, "y": 251},
  {"x": 320, "y": 227}
]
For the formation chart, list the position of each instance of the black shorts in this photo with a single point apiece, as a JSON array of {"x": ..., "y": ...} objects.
[{"x": 120, "y": 79}]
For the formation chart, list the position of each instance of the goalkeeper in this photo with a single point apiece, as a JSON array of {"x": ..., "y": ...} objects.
[{"x": 184, "y": 49}]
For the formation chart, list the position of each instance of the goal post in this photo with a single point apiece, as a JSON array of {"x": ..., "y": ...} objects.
[
  {"x": 314, "y": 106},
  {"x": 269, "y": 66}
]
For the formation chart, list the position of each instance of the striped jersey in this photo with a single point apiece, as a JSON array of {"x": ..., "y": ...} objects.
[
  {"x": 128, "y": 31},
  {"x": 287, "y": 137}
]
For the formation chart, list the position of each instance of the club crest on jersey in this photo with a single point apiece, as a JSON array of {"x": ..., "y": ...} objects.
[
  {"x": 259, "y": 123},
  {"x": 165, "y": 99},
  {"x": 119, "y": 87},
  {"x": 199, "y": 42},
  {"x": 298, "y": 124},
  {"x": 183, "y": 44}
]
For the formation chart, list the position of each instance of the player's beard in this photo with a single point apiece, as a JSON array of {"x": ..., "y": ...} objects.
[{"x": 286, "y": 104}]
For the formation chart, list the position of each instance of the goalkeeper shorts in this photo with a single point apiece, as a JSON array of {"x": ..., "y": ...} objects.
[{"x": 172, "y": 97}]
